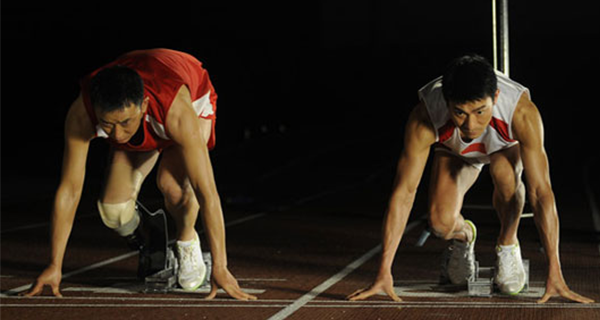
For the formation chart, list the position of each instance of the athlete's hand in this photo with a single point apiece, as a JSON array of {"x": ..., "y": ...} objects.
[
  {"x": 556, "y": 287},
  {"x": 51, "y": 276},
  {"x": 221, "y": 277},
  {"x": 383, "y": 283}
]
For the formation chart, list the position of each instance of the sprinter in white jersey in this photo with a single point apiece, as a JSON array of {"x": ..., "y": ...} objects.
[{"x": 474, "y": 116}]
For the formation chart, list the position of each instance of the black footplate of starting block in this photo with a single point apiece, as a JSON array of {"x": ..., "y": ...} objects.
[
  {"x": 165, "y": 279},
  {"x": 482, "y": 284}
]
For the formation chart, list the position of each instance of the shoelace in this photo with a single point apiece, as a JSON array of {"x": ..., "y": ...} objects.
[
  {"x": 187, "y": 258},
  {"x": 507, "y": 261}
]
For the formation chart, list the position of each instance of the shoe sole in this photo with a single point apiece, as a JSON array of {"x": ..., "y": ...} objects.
[
  {"x": 516, "y": 293},
  {"x": 512, "y": 293}
]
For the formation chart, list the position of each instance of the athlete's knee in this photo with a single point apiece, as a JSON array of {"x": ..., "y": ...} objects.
[
  {"x": 176, "y": 194},
  {"x": 442, "y": 223},
  {"x": 121, "y": 217},
  {"x": 512, "y": 195},
  {"x": 169, "y": 187}
]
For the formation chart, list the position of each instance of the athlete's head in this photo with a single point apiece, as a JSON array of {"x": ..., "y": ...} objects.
[
  {"x": 117, "y": 95},
  {"x": 470, "y": 88}
]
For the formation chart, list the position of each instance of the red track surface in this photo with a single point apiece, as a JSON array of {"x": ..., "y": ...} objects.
[{"x": 302, "y": 253}]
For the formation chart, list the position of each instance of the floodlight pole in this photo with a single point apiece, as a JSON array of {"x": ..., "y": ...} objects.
[{"x": 500, "y": 35}]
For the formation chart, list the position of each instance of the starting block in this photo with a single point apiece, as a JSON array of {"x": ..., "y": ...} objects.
[
  {"x": 165, "y": 279},
  {"x": 482, "y": 284}
]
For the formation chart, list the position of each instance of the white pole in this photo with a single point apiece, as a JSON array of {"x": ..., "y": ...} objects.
[{"x": 500, "y": 35}]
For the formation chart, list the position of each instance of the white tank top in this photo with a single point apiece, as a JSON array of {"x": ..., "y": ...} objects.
[{"x": 497, "y": 136}]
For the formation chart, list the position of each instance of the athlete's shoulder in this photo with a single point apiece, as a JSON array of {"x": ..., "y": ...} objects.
[
  {"x": 78, "y": 122},
  {"x": 526, "y": 119},
  {"x": 419, "y": 126}
]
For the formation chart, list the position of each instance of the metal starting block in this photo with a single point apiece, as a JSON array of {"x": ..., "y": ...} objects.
[
  {"x": 482, "y": 284},
  {"x": 166, "y": 279}
]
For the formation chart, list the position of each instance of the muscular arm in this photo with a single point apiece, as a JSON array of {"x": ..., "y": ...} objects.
[
  {"x": 78, "y": 134},
  {"x": 184, "y": 129},
  {"x": 418, "y": 138},
  {"x": 528, "y": 129}
]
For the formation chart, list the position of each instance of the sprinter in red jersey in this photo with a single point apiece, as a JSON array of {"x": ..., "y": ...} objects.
[{"x": 146, "y": 103}]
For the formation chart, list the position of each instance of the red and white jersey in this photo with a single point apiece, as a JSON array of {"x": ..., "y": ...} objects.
[
  {"x": 163, "y": 71},
  {"x": 497, "y": 136}
]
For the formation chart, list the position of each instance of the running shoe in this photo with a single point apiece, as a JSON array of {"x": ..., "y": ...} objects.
[
  {"x": 510, "y": 277},
  {"x": 458, "y": 262},
  {"x": 192, "y": 270}
]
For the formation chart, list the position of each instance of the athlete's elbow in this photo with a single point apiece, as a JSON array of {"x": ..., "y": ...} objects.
[
  {"x": 209, "y": 201},
  {"x": 67, "y": 197},
  {"x": 403, "y": 197}
]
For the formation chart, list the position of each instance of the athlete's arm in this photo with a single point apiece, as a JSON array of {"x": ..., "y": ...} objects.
[
  {"x": 184, "y": 129},
  {"x": 528, "y": 129},
  {"x": 78, "y": 134},
  {"x": 418, "y": 138}
]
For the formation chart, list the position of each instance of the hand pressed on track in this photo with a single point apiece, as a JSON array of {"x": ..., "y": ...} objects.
[
  {"x": 51, "y": 276},
  {"x": 221, "y": 277},
  {"x": 383, "y": 283},
  {"x": 556, "y": 287}
]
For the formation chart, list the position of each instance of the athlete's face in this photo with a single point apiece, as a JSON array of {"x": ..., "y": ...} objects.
[
  {"x": 122, "y": 124},
  {"x": 473, "y": 117}
]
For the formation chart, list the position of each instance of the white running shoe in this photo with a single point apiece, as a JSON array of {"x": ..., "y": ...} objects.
[
  {"x": 510, "y": 276},
  {"x": 458, "y": 264},
  {"x": 192, "y": 270}
]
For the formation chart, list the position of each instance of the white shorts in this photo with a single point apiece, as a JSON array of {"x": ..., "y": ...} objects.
[{"x": 478, "y": 162}]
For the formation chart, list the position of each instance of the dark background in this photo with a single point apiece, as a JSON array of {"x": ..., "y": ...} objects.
[{"x": 316, "y": 67}]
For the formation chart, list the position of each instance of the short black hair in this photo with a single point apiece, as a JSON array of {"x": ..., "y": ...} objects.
[
  {"x": 469, "y": 78},
  {"x": 116, "y": 88}
]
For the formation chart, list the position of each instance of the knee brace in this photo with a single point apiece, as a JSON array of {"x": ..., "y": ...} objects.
[{"x": 121, "y": 217}]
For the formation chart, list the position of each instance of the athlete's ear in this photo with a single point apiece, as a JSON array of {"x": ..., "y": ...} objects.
[
  {"x": 496, "y": 96},
  {"x": 145, "y": 104}
]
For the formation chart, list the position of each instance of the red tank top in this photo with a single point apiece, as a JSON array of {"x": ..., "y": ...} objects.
[{"x": 163, "y": 71}]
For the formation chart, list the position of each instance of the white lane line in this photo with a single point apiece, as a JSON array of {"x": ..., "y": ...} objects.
[
  {"x": 42, "y": 224},
  {"x": 410, "y": 305},
  {"x": 302, "y": 301},
  {"x": 75, "y": 272},
  {"x": 140, "y": 287},
  {"x": 299, "y": 303},
  {"x": 435, "y": 305},
  {"x": 194, "y": 300},
  {"x": 51, "y": 301},
  {"x": 133, "y": 305},
  {"x": 116, "y": 259}
]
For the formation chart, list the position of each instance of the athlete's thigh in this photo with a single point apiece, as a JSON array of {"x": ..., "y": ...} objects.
[
  {"x": 125, "y": 174},
  {"x": 506, "y": 168},
  {"x": 172, "y": 174},
  {"x": 451, "y": 178}
]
